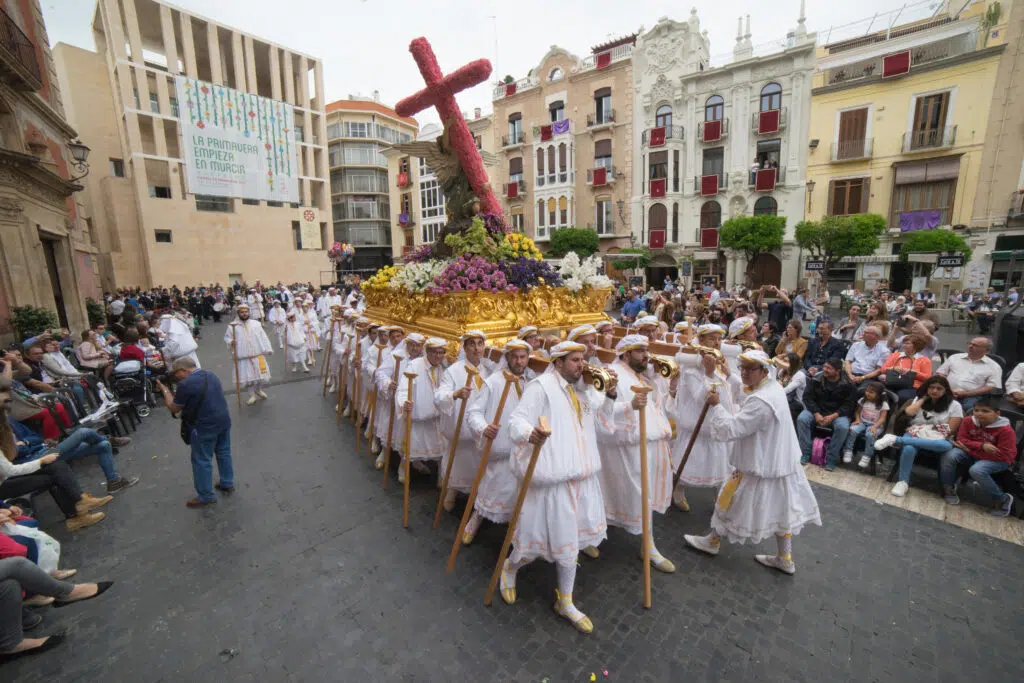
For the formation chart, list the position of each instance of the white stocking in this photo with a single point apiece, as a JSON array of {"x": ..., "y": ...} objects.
[{"x": 566, "y": 581}]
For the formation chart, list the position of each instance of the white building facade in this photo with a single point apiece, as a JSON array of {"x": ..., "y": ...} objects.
[{"x": 702, "y": 128}]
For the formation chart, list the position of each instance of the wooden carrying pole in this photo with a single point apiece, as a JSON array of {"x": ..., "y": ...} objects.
[
  {"x": 356, "y": 399},
  {"x": 470, "y": 372},
  {"x": 542, "y": 424},
  {"x": 645, "y": 502},
  {"x": 391, "y": 420},
  {"x": 325, "y": 371},
  {"x": 373, "y": 405},
  {"x": 408, "y": 454},
  {"x": 693, "y": 440},
  {"x": 481, "y": 468},
  {"x": 234, "y": 358}
]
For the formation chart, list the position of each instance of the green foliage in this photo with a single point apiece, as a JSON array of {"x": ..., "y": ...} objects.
[
  {"x": 928, "y": 241},
  {"x": 509, "y": 79},
  {"x": 94, "y": 309},
  {"x": 474, "y": 240},
  {"x": 583, "y": 241},
  {"x": 834, "y": 237},
  {"x": 29, "y": 321},
  {"x": 642, "y": 260},
  {"x": 753, "y": 234}
]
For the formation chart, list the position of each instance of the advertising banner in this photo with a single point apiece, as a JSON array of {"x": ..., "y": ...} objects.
[
  {"x": 309, "y": 226},
  {"x": 236, "y": 144}
]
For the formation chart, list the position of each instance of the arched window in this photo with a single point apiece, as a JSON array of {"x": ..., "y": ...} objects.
[
  {"x": 540, "y": 213},
  {"x": 657, "y": 217},
  {"x": 540, "y": 165},
  {"x": 714, "y": 108},
  {"x": 766, "y": 206},
  {"x": 555, "y": 74},
  {"x": 552, "y": 216},
  {"x": 563, "y": 211},
  {"x": 771, "y": 97},
  {"x": 711, "y": 215},
  {"x": 663, "y": 117},
  {"x": 551, "y": 164}
]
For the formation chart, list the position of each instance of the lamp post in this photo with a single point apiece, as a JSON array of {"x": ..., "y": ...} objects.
[
  {"x": 80, "y": 158},
  {"x": 810, "y": 191}
]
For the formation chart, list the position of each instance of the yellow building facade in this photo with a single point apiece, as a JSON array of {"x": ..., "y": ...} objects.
[{"x": 898, "y": 126}]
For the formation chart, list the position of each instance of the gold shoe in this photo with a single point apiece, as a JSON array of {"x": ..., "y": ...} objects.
[
  {"x": 591, "y": 552},
  {"x": 467, "y": 537},
  {"x": 508, "y": 593},
  {"x": 83, "y": 520},
  {"x": 449, "y": 501},
  {"x": 663, "y": 564},
  {"x": 681, "y": 503},
  {"x": 87, "y": 503},
  {"x": 583, "y": 624}
]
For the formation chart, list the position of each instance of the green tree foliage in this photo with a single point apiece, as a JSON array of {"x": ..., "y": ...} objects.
[
  {"x": 94, "y": 309},
  {"x": 928, "y": 241},
  {"x": 753, "y": 235},
  {"x": 642, "y": 257},
  {"x": 583, "y": 241},
  {"x": 834, "y": 237},
  {"x": 30, "y": 321}
]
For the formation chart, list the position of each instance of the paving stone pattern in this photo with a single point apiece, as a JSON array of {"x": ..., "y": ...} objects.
[{"x": 307, "y": 573}]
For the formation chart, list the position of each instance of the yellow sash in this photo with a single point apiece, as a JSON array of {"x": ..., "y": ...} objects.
[
  {"x": 729, "y": 490},
  {"x": 575, "y": 403},
  {"x": 263, "y": 364}
]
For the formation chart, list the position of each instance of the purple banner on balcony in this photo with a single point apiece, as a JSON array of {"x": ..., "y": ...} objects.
[
  {"x": 919, "y": 220},
  {"x": 559, "y": 127}
]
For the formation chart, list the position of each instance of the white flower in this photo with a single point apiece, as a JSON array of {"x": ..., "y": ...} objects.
[
  {"x": 416, "y": 277},
  {"x": 578, "y": 274}
]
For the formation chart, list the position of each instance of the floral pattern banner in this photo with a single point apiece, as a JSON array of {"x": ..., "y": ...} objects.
[{"x": 236, "y": 144}]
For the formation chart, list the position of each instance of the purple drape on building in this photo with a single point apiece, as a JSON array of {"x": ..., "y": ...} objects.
[
  {"x": 559, "y": 127},
  {"x": 919, "y": 220}
]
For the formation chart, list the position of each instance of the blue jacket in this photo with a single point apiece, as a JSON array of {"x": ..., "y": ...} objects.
[{"x": 34, "y": 447}]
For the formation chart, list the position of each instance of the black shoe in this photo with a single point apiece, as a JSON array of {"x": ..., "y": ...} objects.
[
  {"x": 51, "y": 642},
  {"x": 30, "y": 619},
  {"x": 121, "y": 484},
  {"x": 101, "y": 588},
  {"x": 225, "y": 489}
]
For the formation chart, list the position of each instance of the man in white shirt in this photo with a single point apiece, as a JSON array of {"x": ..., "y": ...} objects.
[
  {"x": 865, "y": 358},
  {"x": 973, "y": 374},
  {"x": 1015, "y": 386}
]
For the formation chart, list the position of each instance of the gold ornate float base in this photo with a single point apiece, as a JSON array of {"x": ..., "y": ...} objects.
[{"x": 554, "y": 310}]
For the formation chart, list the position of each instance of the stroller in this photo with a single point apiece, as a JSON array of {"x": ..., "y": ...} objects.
[{"x": 131, "y": 382}]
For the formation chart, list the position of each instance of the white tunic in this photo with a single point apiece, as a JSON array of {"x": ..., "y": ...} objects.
[
  {"x": 250, "y": 343},
  {"x": 425, "y": 435},
  {"x": 372, "y": 359},
  {"x": 467, "y": 454},
  {"x": 564, "y": 509},
  {"x": 178, "y": 340},
  {"x": 382, "y": 378},
  {"x": 312, "y": 325},
  {"x": 255, "y": 301},
  {"x": 276, "y": 316},
  {"x": 620, "y": 454},
  {"x": 772, "y": 495},
  {"x": 496, "y": 497},
  {"x": 295, "y": 341},
  {"x": 709, "y": 461}
]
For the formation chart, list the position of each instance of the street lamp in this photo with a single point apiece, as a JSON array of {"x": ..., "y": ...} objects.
[{"x": 80, "y": 157}]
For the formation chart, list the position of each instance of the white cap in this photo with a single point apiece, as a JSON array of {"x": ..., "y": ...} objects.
[
  {"x": 436, "y": 343},
  {"x": 739, "y": 326},
  {"x": 681, "y": 325},
  {"x": 759, "y": 357},
  {"x": 631, "y": 342},
  {"x": 709, "y": 328},
  {"x": 526, "y": 330},
  {"x": 603, "y": 323},
  {"x": 581, "y": 331},
  {"x": 473, "y": 334},
  {"x": 513, "y": 344},
  {"x": 415, "y": 337},
  {"x": 645, "y": 321},
  {"x": 565, "y": 348}
]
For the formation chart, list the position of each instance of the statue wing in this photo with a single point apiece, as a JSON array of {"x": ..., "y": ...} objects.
[
  {"x": 488, "y": 158},
  {"x": 444, "y": 164}
]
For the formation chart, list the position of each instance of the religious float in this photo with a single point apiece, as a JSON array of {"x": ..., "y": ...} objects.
[{"x": 479, "y": 274}]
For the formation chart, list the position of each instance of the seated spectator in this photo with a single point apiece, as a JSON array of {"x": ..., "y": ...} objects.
[
  {"x": 865, "y": 358},
  {"x": 984, "y": 314},
  {"x": 828, "y": 401},
  {"x": 853, "y": 328},
  {"x": 130, "y": 349},
  {"x": 20, "y": 536},
  {"x": 33, "y": 360},
  {"x": 81, "y": 443},
  {"x": 18, "y": 576},
  {"x": 801, "y": 307},
  {"x": 56, "y": 368},
  {"x": 791, "y": 341},
  {"x": 972, "y": 374},
  {"x": 920, "y": 312},
  {"x": 904, "y": 362},
  {"x": 897, "y": 309},
  {"x": 932, "y": 420},
  {"x": 91, "y": 354},
  {"x": 821, "y": 348},
  {"x": 926, "y": 297},
  {"x": 877, "y": 316},
  {"x": 1015, "y": 386},
  {"x": 992, "y": 296},
  {"x": 23, "y": 405},
  {"x": 769, "y": 338},
  {"x": 923, "y": 328},
  {"x": 1012, "y": 297},
  {"x": 793, "y": 379},
  {"x": 987, "y": 443},
  {"x": 869, "y": 422}
]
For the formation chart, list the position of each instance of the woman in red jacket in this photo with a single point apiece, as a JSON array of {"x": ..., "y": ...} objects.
[{"x": 987, "y": 442}]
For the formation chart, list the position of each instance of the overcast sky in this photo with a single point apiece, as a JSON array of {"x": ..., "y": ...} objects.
[{"x": 363, "y": 43}]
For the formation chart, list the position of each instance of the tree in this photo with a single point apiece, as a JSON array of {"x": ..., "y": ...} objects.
[
  {"x": 929, "y": 241},
  {"x": 583, "y": 241},
  {"x": 834, "y": 237},
  {"x": 30, "y": 321},
  {"x": 753, "y": 235}
]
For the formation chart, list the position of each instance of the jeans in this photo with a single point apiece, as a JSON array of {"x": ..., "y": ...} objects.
[
  {"x": 805, "y": 435},
  {"x": 57, "y": 477},
  {"x": 82, "y": 443},
  {"x": 206, "y": 446},
  {"x": 981, "y": 471},
  {"x": 911, "y": 445},
  {"x": 16, "y": 575},
  {"x": 968, "y": 403},
  {"x": 869, "y": 439}
]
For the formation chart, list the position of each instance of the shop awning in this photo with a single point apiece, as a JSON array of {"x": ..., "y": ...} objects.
[{"x": 885, "y": 258}]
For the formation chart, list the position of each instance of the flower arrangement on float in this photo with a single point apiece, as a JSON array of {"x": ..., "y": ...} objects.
[{"x": 340, "y": 252}]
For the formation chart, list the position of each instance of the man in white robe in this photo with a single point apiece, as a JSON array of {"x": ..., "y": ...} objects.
[
  {"x": 563, "y": 510},
  {"x": 425, "y": 435},
  {"x": 620, "y": 455},
  {"x": 295, "y": 343},
  {"x": 448, "y": 398},
  {"x": 647, "y": 326},
  {"x": 178, "y": 340},
  {"x": 496, "y": 496},
  {"x": 312, "y": 325},
  {"x": 382, "y": 379},
  {"x": 531, "y": 335},
  {"x": 366, "y": 347},
  {"x": 768, "y": 494},
  {"x": 742, "y": 329},
  {"x": 277, "y": 318},
  {"x": 372, "y": 360},
  {"x": 708, "y": 465},
  {"x": 604, "y": 329},
  {"x": 255, "y": 302},
  {"x": 336, "y": 338},
  {"x": 249, "y": 342},
  {"x": 409, "y": 349}
]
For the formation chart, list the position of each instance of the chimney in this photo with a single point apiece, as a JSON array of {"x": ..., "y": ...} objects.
[
  {"x": 376, "y": 95},
  {"x": 476, "y": 112}
]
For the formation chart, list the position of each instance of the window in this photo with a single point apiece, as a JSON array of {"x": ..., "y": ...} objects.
[
  {"x": 540, "y": 218},
  {"x": 430, "y": 232},
  {"x": 154, "y": 103},
  {"x": 296, "y": 235},
  {"x": 363, "y": 154},
  {"x": 563, "y": 212},
  {"x": 766, "y": 206},
  {"x": 174, "y": 106},
  {"x": 334, "y": 154},
  {"x": 563, "y": 163},
  {"x": 138, "y": 103},
  {"x": 552, "y": 215},
  {"x": 675, "y": 170},
  {"x": 555, "y": 75},
  {"x": 713, "y": 161},
  {"x": 479, "y": 140},
  {"x": 518, "y": 223},
  {"x": 603, "y": 154},
  {"x": 846, "y": 196},
  {"x": 540, "y": 166},
  {"x": 163, "y": 236},
  {"x": 358, "y": 129},
  {"x": 557, "y": 110},
  {"x": 604, "y": 223},
  {"x": 405, "y": 202},
  {"x": 663, "y": 117},
  {"x": 515, "y": 170},
  {"x": 364, "y": 180},
  {"x": 251, "y": 202},
  {"x": 929, "y": 121},
  {"x": 710, "y": 215},
  {"x": 551, "y": 164},
  {"x": 675, "y": 222},
  {"x": 657, "y": 217},
  {"x": 768, "y": 153},
  {"x": 714, "y": 108},
  {"x": 515, "y": 128},
  {"x": 425, "y": 171},
  {"x": 299, "y": 135},
  {"x": 603, "y": 106},
  {"x": 431, "y": 200},
  {"x": 771, "y": 97},
  {"x": 658, "y": 165},
  {"x": 207, "y": 202},
  {"x": 334, "y": 130},
  {"x": 159, "y": 192},
  {"x": 928, "y": 186},
  {"x": 853, "y": 125},
  {"x": 117, "y": 168},
  {"x": 275, "y": 205}
]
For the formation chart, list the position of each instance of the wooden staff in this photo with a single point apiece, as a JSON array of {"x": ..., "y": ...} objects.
[
  {"x": 693, "y": 440},
  {"x": 325, "y": 370},
  {"x": 342, "y": 386},
  {"x": 542, "y": 424},
  {"x": 410, "y": 376},
  {"x": 481, "y": 468},
  {"x": 373, "y": 404},
  {"x": 470, "y": 372},
  {"x": 356, "y": 399},
  {"x": 391, "y": 422},
  {"x": 645, "y": 503},
  {"x": 234, "y": 358}
]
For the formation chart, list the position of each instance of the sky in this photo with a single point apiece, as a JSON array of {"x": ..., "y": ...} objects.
[{"x": 363, "y": 44}]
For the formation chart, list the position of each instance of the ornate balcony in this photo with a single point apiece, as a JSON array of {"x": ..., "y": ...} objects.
[
  {"x": 659, "y": 135},
  {"x": 927, "y": 140},
  {"x": 852, "y": 150},
  {"x": 766, "y": 179},
  {"x": 19, "y": 65},
  {"x": 713, "y": 131},
  {"x": 510, "y": 142},
  {"x": 600, "y": 176},
  {"x": 768, "y": 122},
  {"x": 710, "y": 185},
  {"x": 599, "y": 120}
]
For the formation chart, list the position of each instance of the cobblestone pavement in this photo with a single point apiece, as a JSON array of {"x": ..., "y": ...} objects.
[{"x": 307, "y": 573}]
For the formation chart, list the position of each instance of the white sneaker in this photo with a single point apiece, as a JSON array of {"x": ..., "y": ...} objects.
[
  {"x": 375, "y": 447},
  {"x": 252, "y": 400},
  {"x": 347, "y": 411},
  {"x": 884, "y": 442},
  {"x": 900, "y": 489},
  {"x": 401, "y": 474},
  {"x": 847, "y": 457},
  {"x": 702, "y": 543},
  {"x": 379, "y": 464},
  {"x": 776, "y": 562},
  {"x": 864, "y": 462},
  {"x": 262, "y": 394}
]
